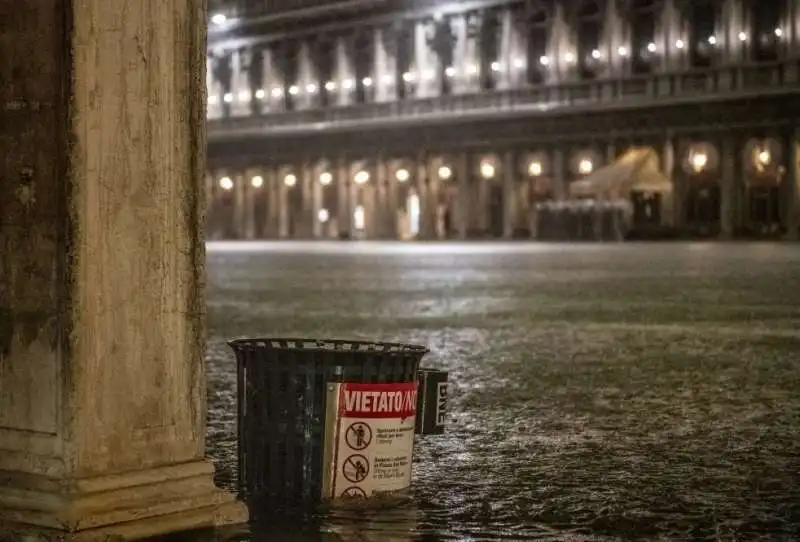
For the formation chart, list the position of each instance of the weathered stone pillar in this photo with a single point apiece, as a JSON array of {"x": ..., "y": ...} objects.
[
  {"x": 510, "y": 208},
  {"x": 793, "y": 178},
  {"x": 102, "y": 310}
]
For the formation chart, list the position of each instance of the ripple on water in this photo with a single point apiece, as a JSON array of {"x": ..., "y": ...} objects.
[{"x": 614, "y": 392}]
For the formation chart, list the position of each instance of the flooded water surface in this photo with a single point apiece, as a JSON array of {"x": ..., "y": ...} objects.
[{"x": 598, "y": 392}]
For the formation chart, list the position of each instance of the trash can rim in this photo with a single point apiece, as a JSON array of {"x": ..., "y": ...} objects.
[{"x": 327, "y": 345}]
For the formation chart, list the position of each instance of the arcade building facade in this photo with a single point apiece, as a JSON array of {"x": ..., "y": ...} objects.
[{"x": 458, "y": 120}]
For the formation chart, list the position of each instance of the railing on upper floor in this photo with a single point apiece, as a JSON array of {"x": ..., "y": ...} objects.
[{"x": 717, "y": 83}]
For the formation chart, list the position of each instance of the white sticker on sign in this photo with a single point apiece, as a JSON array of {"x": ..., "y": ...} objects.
[{"x": 374, "y": 439}]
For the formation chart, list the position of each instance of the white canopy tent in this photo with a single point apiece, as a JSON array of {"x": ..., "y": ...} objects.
[{"x": 635, "y": 171}]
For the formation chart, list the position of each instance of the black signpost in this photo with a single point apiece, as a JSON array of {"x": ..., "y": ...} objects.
[{"x": 431, "y": 402}]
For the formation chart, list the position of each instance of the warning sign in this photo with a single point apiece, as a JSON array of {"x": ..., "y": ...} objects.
[{"x": 372, "y": 438}]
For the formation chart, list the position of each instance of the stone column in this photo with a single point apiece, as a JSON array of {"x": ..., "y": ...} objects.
[
  {"x": 284, "y": 217},
  {"x": 462, "y": 173},
  {"x": 102, "y": 309},
  {"x": 240, "y": 87},
  {"x": 307, "y": 78},
  {"x": 250, "y": 194},
  {"x": 345, "y": 206},
  {"x": 381, "y": 230},
  {"x": 273, "y": 191},
  {"x": 793, "y": 178},
  {"x": 481, "y": 202},
  {"x": 319, "y": 228},
  {"x": 504, "y": 78},
  {"x": 424, "y": 66},
  {"x": 670, "y": 203},
  {"x": 385, "y": 67},
  {"x": 426, "y": 224},
  {"x": 307, "y": 218},
  {"x": 510, "y": 182},
  {"x": 461, "y": 54},
  {"x": 272, "y": 82},
  {"x": 560, "y": 186},
  {"x": 344, "y": 74},
  {"x": 239, "y": 204},
  {"x": 391, "y": 201},
  {"x": 214, "y": 90},
  {"x": 730, "y": 168}
]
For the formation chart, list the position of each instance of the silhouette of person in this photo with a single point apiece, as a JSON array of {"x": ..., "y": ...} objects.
[{"x": 359, "y": 430}]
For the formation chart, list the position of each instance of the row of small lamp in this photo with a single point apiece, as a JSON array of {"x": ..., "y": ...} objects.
[{"x": 487, "y": 171}]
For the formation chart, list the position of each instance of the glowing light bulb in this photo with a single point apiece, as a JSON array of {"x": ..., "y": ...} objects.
[{"x": 361, "y": 177}]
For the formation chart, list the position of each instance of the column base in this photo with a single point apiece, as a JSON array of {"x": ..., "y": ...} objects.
[{"x": 124, "y": 506}]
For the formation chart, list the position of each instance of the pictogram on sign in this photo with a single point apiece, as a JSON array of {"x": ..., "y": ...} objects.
[
  {"x": 355, "y": 468},
  {"x": 358, "y": 436},
  {"x": 354, "y": 492}
]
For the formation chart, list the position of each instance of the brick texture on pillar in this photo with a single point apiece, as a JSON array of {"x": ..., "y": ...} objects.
[{"x": 102, "y": 312}]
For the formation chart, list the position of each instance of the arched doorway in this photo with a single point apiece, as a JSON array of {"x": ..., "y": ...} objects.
[
  {"x": 326, "y": 202},
  {"x": 538, "y": 170},
  {"x": 764, "y": 174},
  {"x": 492, "y": 196},
  {"x": 703, "y": 193}
]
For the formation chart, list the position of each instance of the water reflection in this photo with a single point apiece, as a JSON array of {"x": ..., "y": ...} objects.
[{"x": 598, "y": 392}]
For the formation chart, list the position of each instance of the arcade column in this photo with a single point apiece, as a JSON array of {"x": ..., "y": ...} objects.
[
  {"x": 427, "y": 209},
  {"x": 729, "y": 185},
  {"x": 240, "y": 199},
  {"x": 670, "y": 205},
  {"x": 345, "y": 203},
  {"x": 510, "y": 194},
  {"x": 793, "y": 178},
  {"x": 462, "y": 171},
  {"x": 102, "y": 311},
  {"x": 560, "y": 188},
  {"x": 272, "y": 187}
]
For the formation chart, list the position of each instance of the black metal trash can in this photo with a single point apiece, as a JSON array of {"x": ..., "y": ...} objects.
[{"x": 282, "y": 387}]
